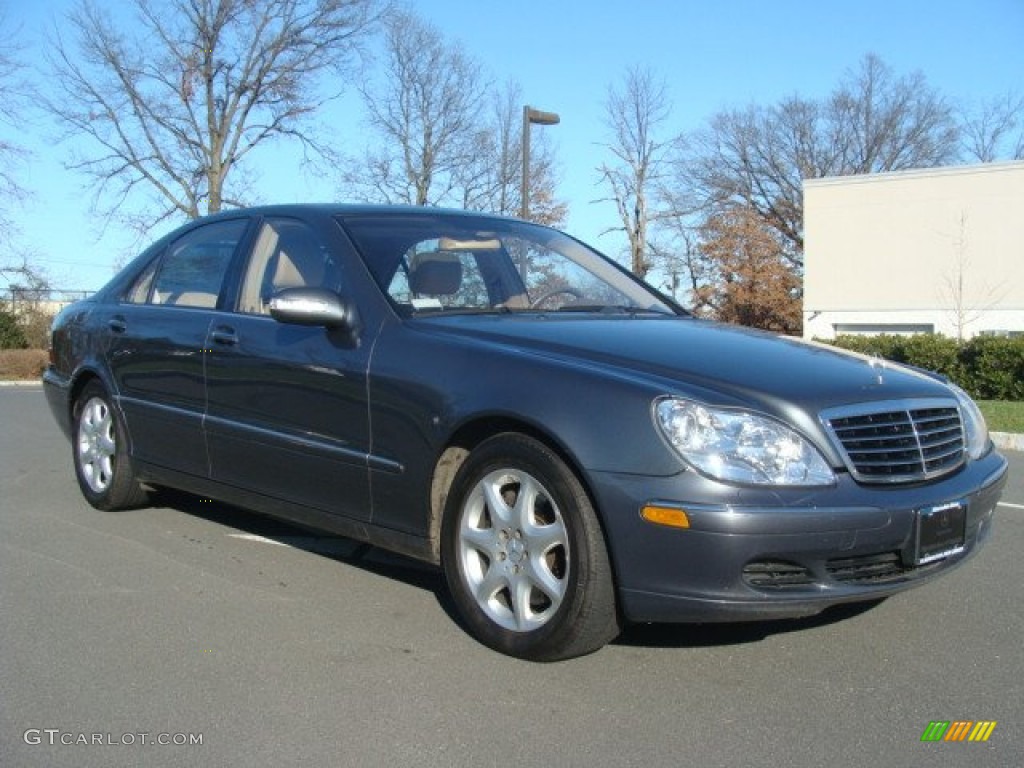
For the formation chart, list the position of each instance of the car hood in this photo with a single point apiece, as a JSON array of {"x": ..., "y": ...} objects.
[{"x": 715, "y": 362}]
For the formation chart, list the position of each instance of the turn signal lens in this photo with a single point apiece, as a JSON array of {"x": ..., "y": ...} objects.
[{"x": 670, "y": 516}]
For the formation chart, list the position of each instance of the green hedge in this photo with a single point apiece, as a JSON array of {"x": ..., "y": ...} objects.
[
  {"x": 988, "y": 367},
  {"x": 11, "y": 334}
]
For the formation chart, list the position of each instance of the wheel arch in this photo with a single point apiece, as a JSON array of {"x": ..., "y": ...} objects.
[
  {"x": 81, "y": 379},
  {"x": 122, "y": 489},
  {"x": 79, "y": 382},
  {"x": 471, "y": 434}
]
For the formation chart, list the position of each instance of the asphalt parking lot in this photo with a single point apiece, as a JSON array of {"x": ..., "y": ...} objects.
[{"x": 190, "y": 622}]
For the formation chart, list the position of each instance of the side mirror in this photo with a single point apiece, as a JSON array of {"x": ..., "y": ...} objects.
[{"x": 315, "y": 306}]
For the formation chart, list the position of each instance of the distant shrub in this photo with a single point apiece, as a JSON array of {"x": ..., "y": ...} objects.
[
  {"x": 988, "y": 367},
  {"x": 994, "y": 368},
  {"x": 934, "y": 353},
  {"x": 22, "y": 364},
  {"x": 12, "y": 335},
  {"x": 883, "y": 346}
]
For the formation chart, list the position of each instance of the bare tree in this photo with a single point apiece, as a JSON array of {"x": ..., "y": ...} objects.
[
  {"x": 687, "y": 269},
  {"x": 489, "y": 180},
  {"x": 11, "y": 114},
  {"x": 29, "y": 290},
  {"x": 173, "y": 100},
  {"x": 635, "y": 113},
  {"x": 967, "y": 298},
  {"x": 888, "y": 123},
  {"x": 872, "y": 122},
  {"x": 956, "y": 282},
  {"x": 427, "y": 113},
  {"x": 19, "y": 269},
  {"x": 545, "y": 205},
  {"x": 994, "y": 130}
]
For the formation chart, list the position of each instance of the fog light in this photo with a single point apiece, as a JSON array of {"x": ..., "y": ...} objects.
[{"x": 670, "y": 516}]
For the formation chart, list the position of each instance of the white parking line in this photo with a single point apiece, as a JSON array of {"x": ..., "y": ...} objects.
[
  {"x": 1011, "y": 506},
  {"x": 255, "y": 537},
  {"x": 325, "y": 545}
]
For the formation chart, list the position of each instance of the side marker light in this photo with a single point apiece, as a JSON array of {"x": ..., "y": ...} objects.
[{"x": 670, "y": 516}]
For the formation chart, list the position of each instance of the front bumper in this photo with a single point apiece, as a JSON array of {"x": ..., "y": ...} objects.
[{"x": 753, "y": 554}]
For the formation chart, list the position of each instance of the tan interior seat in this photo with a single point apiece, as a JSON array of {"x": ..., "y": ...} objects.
[{"x": 435, "y": 273}]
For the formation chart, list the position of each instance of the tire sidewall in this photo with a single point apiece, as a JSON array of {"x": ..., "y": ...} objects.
[
  {"x": 121, "y": 491},
  {"x": 514, "y": 451}
]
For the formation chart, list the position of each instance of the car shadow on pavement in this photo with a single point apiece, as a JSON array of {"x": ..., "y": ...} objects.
[
  {"x": 733, "y": 633},
  {"x": 429, "y": 578},
  {"x": 349, "y": 551}
]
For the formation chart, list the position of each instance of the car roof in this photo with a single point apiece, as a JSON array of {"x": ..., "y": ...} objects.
[
  {"x": 299, "y": 210},
  {"x": 344, "y": 209}
]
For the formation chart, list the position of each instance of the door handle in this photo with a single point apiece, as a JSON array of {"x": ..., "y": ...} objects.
[
  {"x": 224, "y": 335},
  {"x": 117, "y": 324}
]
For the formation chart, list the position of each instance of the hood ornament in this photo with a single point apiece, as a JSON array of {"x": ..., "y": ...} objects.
[{"x": 878, "y": 364}]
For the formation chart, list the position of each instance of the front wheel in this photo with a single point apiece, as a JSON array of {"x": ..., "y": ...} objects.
[
  {"x": 524, "y": 554},
  {"x": 102, "y": 465}
]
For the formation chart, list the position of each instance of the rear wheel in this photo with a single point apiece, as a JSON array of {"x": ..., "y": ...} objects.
[
  {"x": 524, "y": 554},
  {"x": 102, "y": 465}
]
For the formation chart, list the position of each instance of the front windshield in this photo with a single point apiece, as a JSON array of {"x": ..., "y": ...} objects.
[{"x": 436, "y": 262}]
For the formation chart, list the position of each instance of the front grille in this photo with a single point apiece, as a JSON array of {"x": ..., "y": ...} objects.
[
  {"x": 901, "y": 442},
  {"x": 868, "y": 569},
  {"x": 775, "y": 574},
  {"x": 875, "y": 569}
]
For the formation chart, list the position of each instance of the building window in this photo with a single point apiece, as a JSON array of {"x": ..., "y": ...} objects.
[{"x": 875, "y": 329}]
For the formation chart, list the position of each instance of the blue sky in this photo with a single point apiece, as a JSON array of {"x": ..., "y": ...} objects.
[{"x": 565, "y": 54}]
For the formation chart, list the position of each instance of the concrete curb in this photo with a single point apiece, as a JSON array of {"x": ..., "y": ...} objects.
[
  {"x": 1007, "y": 441},
  {"x": 21, "y": 384}
]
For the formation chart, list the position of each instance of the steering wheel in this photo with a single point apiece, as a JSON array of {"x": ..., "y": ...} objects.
[{"x": 554, "y": 292}]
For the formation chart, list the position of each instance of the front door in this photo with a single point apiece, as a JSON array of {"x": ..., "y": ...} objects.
[{"x": 287, "y": 414}]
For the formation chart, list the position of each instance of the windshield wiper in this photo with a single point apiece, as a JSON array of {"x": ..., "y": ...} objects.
[
  {"x": 436, "y": 311},
  {"x": 611, "y": 309}
]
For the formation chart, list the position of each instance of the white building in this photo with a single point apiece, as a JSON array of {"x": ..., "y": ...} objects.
[{"x": 931, "y": 251}]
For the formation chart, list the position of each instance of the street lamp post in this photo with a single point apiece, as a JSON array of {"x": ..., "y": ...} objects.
[{"x": 530, "y": 115}]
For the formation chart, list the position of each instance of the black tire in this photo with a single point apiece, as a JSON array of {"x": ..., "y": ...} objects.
[
  {"x": 524, "y": 554},
  {"x": 100, "y": 452}
]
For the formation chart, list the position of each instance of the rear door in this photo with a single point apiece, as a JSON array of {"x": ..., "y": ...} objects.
[
  {"x": 157, "y": 345},
  {"x": 287, "y": 411}
]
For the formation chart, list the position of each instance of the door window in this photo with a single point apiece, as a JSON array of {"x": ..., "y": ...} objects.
[
  {"x": 287, "y": 254},
  {"x": 192, "y": 271}
]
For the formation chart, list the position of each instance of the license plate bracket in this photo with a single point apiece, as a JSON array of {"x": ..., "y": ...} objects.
[{"x": 941, "y": 532}]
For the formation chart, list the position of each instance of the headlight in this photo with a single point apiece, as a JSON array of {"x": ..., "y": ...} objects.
[
  {"x": 740, "y": 447},
  {"x": 975, "y": 428}
]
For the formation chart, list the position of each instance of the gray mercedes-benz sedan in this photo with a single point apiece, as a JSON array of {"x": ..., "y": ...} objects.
[{"x": 571, "y": 447}]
